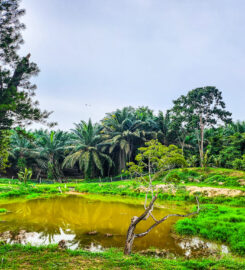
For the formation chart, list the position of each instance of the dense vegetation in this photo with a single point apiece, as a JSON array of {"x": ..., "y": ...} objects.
[{"x": 103, "y": 149}]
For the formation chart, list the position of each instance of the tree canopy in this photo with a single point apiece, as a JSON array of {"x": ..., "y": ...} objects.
[
  {"x": 200, "y": 108},
  {"x": 17, "y": 106}
]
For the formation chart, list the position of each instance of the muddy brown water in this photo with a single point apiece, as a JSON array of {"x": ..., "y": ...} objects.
[{"x": 72, "y": 218}]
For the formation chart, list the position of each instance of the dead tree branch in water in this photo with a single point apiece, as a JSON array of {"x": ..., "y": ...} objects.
[{"x": 135, "y": 220}]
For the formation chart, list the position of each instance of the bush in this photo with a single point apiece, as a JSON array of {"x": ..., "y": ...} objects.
[{"x": 239, "y": 164}]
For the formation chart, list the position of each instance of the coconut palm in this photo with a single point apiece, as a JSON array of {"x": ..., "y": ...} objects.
[{"x": 85, "y": 149}]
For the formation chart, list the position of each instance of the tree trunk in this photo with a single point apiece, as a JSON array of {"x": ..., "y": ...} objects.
[
  {"x": 135, "y": 220},
  {"x": 122, "y": 161},
  {"x": 130, "y": 237},
  {"x": 38, "y": 174},
  {"x": 202, "y": 140}
]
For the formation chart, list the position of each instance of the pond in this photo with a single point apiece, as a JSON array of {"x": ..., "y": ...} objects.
[{"x": 93, "y": 224}]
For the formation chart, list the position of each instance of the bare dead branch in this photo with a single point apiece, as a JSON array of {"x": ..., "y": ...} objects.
[
  {"x": 136, "y": 221},
  {"x": 166, "y": 217},
  {"x": 153, "y": 217}
]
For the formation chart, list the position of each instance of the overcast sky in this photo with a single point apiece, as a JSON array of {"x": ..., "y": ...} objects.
[{"x": 99, "y": 55}]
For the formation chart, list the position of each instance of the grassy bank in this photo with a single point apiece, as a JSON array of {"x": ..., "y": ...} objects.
[
  {"x": 220, "y": 223},
  {"x": 212, "y": 177},
  {"x": 132, "y": 188},
  {"x": 26, "y": 257}
]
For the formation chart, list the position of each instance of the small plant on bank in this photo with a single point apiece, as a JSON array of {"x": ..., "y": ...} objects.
[{"x": 25, "y": 175}]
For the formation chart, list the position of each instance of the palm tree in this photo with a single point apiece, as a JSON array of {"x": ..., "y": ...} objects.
[
  {"x": 162, "y": 127},
  {"x": 20, "y": 147},
  {"x": 85, "y": 149},
  {"x": 123, "y": 134},
  {"x": 51, "y": 150},
  {"x": 47, "y": 152},
  {"x": 235, "y": 127}
]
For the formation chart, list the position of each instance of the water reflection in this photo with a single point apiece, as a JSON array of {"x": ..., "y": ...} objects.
[{"x": 72, "y": 218}]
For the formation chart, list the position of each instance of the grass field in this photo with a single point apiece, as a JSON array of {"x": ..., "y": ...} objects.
[
  {"x": 26, "y": 257},
  {"x": 221, "y": 219}
]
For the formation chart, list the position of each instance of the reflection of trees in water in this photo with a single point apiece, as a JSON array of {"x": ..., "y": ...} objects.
[
  {"x": 76, "y": 216},
  {"x": 49, "y": 233},
  {"x": 84, "y": 240}
]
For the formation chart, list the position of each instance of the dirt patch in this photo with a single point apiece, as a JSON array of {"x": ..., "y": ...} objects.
[
  {"x": 205, "y": 191},
  {"x": 237, "y": 174},
  {"x": 214, "y": 192},
  {"x": 75, "y": 193}
]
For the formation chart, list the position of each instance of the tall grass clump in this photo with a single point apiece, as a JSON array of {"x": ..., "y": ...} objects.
[{"x": 220, "y": 223}]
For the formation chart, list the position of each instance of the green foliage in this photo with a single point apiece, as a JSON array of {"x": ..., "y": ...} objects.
[
  {"x": 123, "y": 133},
  {"x": 221, "y": 223},
  {"x": 21, "y": 164},
  {"x": 84, "y": 149},
  {"x": 208, "y": 177},
  {"x": 4, "y": 150},
  {"x": 200, "y": 108},
  {"x": 192, "y": 161},
  {"x": 155, "y": 157},
  {"x": 115, "y": 142},
  {"x": 30, "y": 191},
  {"x": 25, "y": 175},
  {"x": 40, "y": 150},
  {"x": 239, "y": 164},
  {"x": 16, "y": 90}
]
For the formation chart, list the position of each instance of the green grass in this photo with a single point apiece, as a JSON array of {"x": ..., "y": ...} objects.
[
  {"x": 216, "y": 222},
  {"x": 215, "y": 177},
  {"x": 12, "y": 191},
  {"x": 27, "y": 257},
  {"x": 131, "y": 188},
  {"x": 222, "y": 219},
  {"x": 128, "y": 188}
]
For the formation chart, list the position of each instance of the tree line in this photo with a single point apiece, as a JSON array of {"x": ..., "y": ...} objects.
[{"x": 104, "y": 149}]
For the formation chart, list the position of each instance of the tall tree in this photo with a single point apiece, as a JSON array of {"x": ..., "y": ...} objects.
[
  {"x": 20, "y": 148},
  {"x": 85, "y": 149},
  {"x": 16, "y": 90},
  {"x": 50, "y": 149},
  {"x": 123, "y": 134},
  {"x": 200, "y": 108},
  {"x": 17, "y": 106}
]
